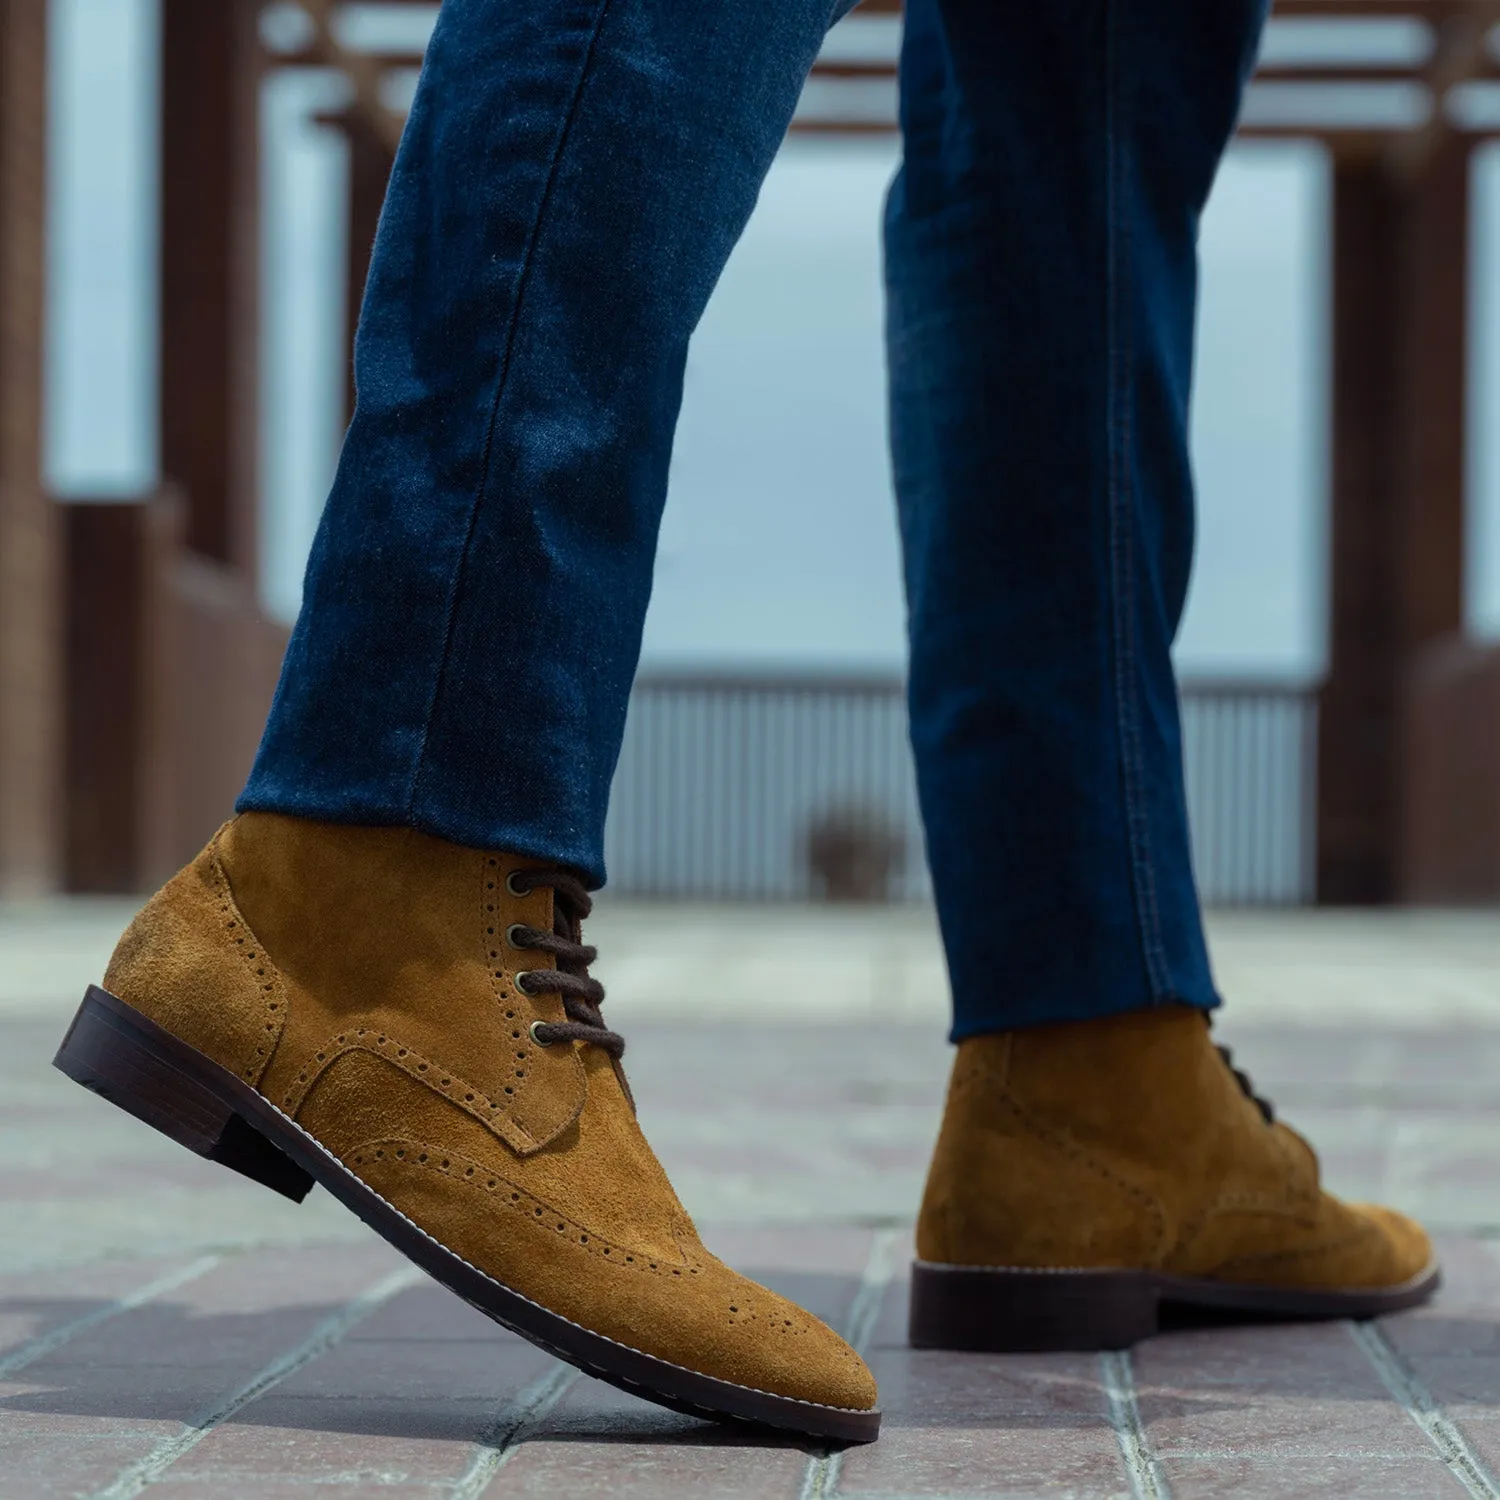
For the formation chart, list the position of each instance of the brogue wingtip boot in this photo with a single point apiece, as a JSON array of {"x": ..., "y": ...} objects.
[
  {"x": 413, "y": 1025},
  {"x": 1088, "y": 1175}
]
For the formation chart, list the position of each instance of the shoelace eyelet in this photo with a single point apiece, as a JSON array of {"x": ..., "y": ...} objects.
[
  {"x": 568, "y": 976},
  {"x": 533, "y": 1029}
]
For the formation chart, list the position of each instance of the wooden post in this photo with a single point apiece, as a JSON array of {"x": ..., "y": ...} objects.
[
  {"x": 117, "y": 760},
  {"x": 209, "y": 268},
  {"x": 1397, "y": 525},
  {"x": 1433, "y": 339},
  {"x": 30, "y": 634},
  {"x": 1356, "y": 773}
]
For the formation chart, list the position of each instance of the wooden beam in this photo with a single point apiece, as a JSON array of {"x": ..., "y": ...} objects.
[
  {"x": 30, "y": 629},
  {"x": 364, "y": 72},
  {"x": 1356, "y": 775},
  {"x": 118, "y": 764},
  {"x": 1432, "y": 332},
  {"x": 1462, "y": 56}
]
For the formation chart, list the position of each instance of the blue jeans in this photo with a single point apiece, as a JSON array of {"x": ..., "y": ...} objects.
[{"x": 571, "y": 181}]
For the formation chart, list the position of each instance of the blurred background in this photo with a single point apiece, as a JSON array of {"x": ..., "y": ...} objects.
[
  {"x": 188, "y": 195},
  {"x": 188, "y": 192}
]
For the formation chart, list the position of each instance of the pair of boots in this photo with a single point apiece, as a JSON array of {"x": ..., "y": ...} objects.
[{"x": 413, "y": 1025}]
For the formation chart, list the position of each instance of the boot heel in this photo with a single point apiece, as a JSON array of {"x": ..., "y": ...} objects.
[
  {"x": 1003, "y": 1311},
  {"x": 111, "y": 1052}
]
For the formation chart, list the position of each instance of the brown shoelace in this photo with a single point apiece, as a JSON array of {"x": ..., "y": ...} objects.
[
  {"x": 1268, "y": 1111},
  {"x": 581, "y": 993}
]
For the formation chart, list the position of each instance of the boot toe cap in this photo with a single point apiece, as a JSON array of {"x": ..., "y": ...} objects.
[
  {"x": 1354, "y": 1247},
  {"x": 741, "y": 1332},
  {"x": 1401, "y": 1249}
]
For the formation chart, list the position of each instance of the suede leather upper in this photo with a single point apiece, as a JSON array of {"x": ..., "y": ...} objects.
[
  {"x": 361, "y": 979},
  {"x": 1126, "y": 1142}
]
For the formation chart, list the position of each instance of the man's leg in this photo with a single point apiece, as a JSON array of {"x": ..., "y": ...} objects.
[
  {"x": 1041, "y": 265},
  {"x": 375, "y": 976},
  {"x": 571, "y": 180}
]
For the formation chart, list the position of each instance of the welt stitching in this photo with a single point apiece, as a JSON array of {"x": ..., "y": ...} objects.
[
  {"x": 315, "y": 1144},
  {"x": 1118, "y": 365},
  {"x": 523, "y": 279}
]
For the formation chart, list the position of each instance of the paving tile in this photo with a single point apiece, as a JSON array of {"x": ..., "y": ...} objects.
[
  {"x": 1466, "y": 1381},
  {"x": 1478, "y": 1424},
  {"x": 1291, "y": 1410},
  {"x": 100, "y": 1176},
  {"x": 974, "y": 1424},
  {"x": 1352, "y": 1476},
  {"x": 398, "y": 1406},
  {"x": 1463, "y": 1321},
  {"x": 37, "y": 1304},
  {"x": 789, "y": 1132},
  {"x": 350, "y": 1484},
  {"x": 71, "y": 1421},
  {"x": 996, "y": 1455},
  {"x": 602, "y": 1442},
  {"x": 1452, "y": 1347},
  {"x": 1292, "y": 1389}
]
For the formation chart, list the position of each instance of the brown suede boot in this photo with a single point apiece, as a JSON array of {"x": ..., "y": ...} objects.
[
  {"x": 411, "y": 1024},
  {"x": 1087, "y": 1176}
]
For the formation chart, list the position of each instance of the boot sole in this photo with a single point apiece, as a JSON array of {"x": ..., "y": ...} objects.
[
  {"x": 125, "y": 1057},
  {"x": 1004, "y": 1310}
]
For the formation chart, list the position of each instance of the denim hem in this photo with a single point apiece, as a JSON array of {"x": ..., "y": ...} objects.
[
  {"x": 515, "y": 839},
  {"x": 1068, "y": 1009}
]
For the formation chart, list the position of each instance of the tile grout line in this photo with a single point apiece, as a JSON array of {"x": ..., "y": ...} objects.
[
  {"x": 1142, "y": 1467},
  {"x": 135, "y": 1477},
  {"x": 47, "y": 1342},
  {"x": 1406, "y": 1386},
  {"x": 821, "y": 1479},
  {"x": 513, "y": 1424}
]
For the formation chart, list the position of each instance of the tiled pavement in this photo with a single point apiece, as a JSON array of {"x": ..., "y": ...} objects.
[{"x": 165, "y": 1329}]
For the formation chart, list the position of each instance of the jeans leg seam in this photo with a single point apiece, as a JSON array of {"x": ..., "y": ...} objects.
[
  {"x": 501, "y": 379},
  {"x": 1122, "y": 591}
]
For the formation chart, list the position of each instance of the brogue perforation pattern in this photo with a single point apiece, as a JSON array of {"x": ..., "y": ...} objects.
[{"x": 262, "y": 972}]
